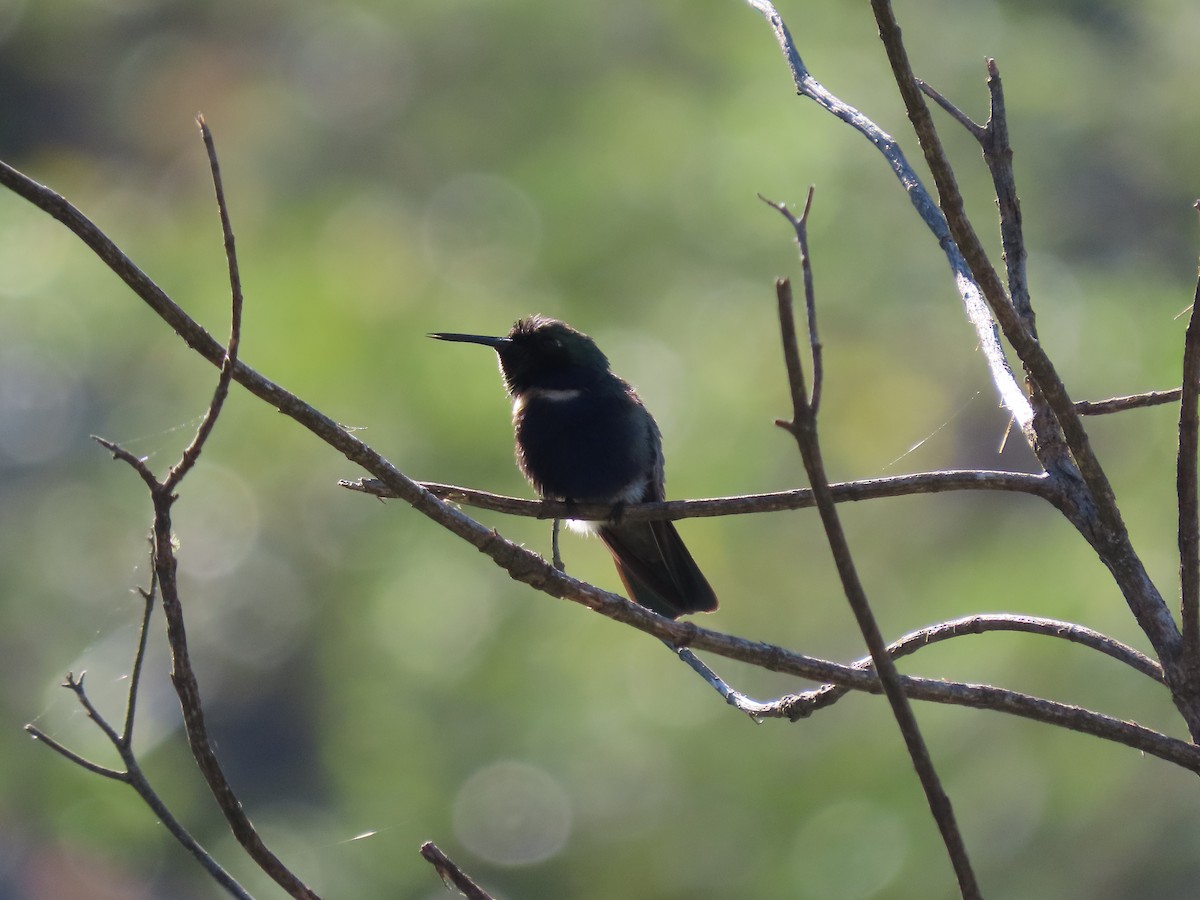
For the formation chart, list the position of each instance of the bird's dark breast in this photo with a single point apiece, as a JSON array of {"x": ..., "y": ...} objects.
[{"x": 585, "y": 448}]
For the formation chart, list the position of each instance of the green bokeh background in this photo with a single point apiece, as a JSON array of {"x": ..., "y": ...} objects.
[{"x": 395, "y": 169}]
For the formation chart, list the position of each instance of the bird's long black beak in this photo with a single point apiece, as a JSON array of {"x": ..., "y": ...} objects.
[{"x": 494, "y": 342}]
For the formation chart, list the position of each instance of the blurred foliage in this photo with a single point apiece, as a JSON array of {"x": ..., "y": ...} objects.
[{"x": 400, "y": 168}]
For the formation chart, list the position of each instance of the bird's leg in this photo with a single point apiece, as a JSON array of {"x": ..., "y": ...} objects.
[
  {"x": 618, "y": 510},
  {"x": 753, "y": 708},
  {"x": 558, "y": 563}
]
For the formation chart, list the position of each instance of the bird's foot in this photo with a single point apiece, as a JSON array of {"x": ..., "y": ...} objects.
[{"x": 557, "y": 557}]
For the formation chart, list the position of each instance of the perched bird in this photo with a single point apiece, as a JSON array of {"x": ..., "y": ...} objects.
[{"x": 583, "y": 436}]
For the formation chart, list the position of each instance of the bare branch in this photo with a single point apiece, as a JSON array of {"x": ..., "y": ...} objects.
[
  {"x": 802, "y": 415},
  {"x": 184, "y": 679},
  {"x": 95, "y": 768},
  {"x": 204, "y": 344},
  {"x": 976, "y": 130},
  {"x": 192, "y": 452},
  {"x": 781, "y": 501},
  {"x": 1103, "y": 528},
  {"x": 137, "y": 463},
  {"x": 139, "y": 655},
  {"x": 1030, "y": 352},
  {"x": 806, "y": 703},
  {"x": 1186, "y": 487},
  {"x": 998, "y": 155},
  {"x": 804, "y": 428},
  {"x": 1069, "y": 631},
  {"x": 800, "y": 226},
  {"x": 183, "y": 676},
  {"x": 755, "y": 709},
  {"x": 451, "y": 874},
  {"x": 76, "y": 687},
  {"x": 1130, "y": 401},
  {"x": 779, "y": 659},
  {"x": 136, "y": 778},
  {"x": 162, "y": 811},
  {"x": 1011, "y": 395},
  {"x": 1094, "y": 510},
  {"x": 1050, "y": 444},
  {"x": 1051, "y": 712}
]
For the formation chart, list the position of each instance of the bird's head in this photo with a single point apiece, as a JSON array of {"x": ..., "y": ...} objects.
[{"x": 540, "y": 352}]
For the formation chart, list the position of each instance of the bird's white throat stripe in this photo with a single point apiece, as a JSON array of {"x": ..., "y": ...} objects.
[{"x": 554, "y": 395}]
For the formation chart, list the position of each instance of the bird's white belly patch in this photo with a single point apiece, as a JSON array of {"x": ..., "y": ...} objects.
[{"x": 631, "y": 494}]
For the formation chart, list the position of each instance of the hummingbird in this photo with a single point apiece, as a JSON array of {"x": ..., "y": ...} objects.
[{"x": 584, "y": 436}]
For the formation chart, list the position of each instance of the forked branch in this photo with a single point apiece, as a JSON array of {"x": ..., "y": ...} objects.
[
  {"x": 1011, "y": 395},
  {"x": 803, "y": 427},
  {"x": 122, "y": 741},
  {"x": 183, "y": 677},
  {"x": 1094, "y": 509}
]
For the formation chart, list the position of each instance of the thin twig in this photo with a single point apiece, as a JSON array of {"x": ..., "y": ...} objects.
[
  {"x": 95, "y": 768},
  {"x": 192, "y": 452},
  {"x": 755, "y": 709},
  {"x": 451, "y": 874},
  {"x": 998, "y": 155},
  {"x": 137, "y": 463},
  {"x": 976, "y": 130},
  {"x": 1055, "y": 628},
  {"x": 803, "y": 428},
  {"x": 952, "y": 214},
  {"x": 806, "y": 703},
  {"x": 160, "y": 809},
  {"x": 184, "y": 679},
  {"x": 139, "y": 655},
  {"x": 75, "y": 685},
  {"x": 1186, "y": 487},
  {"x": 1129, "y": 401},
  {"x": 800, "y": 226}
]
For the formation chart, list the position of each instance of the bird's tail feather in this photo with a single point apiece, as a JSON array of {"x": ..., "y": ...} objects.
[{"x": 657, "y": 569}]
